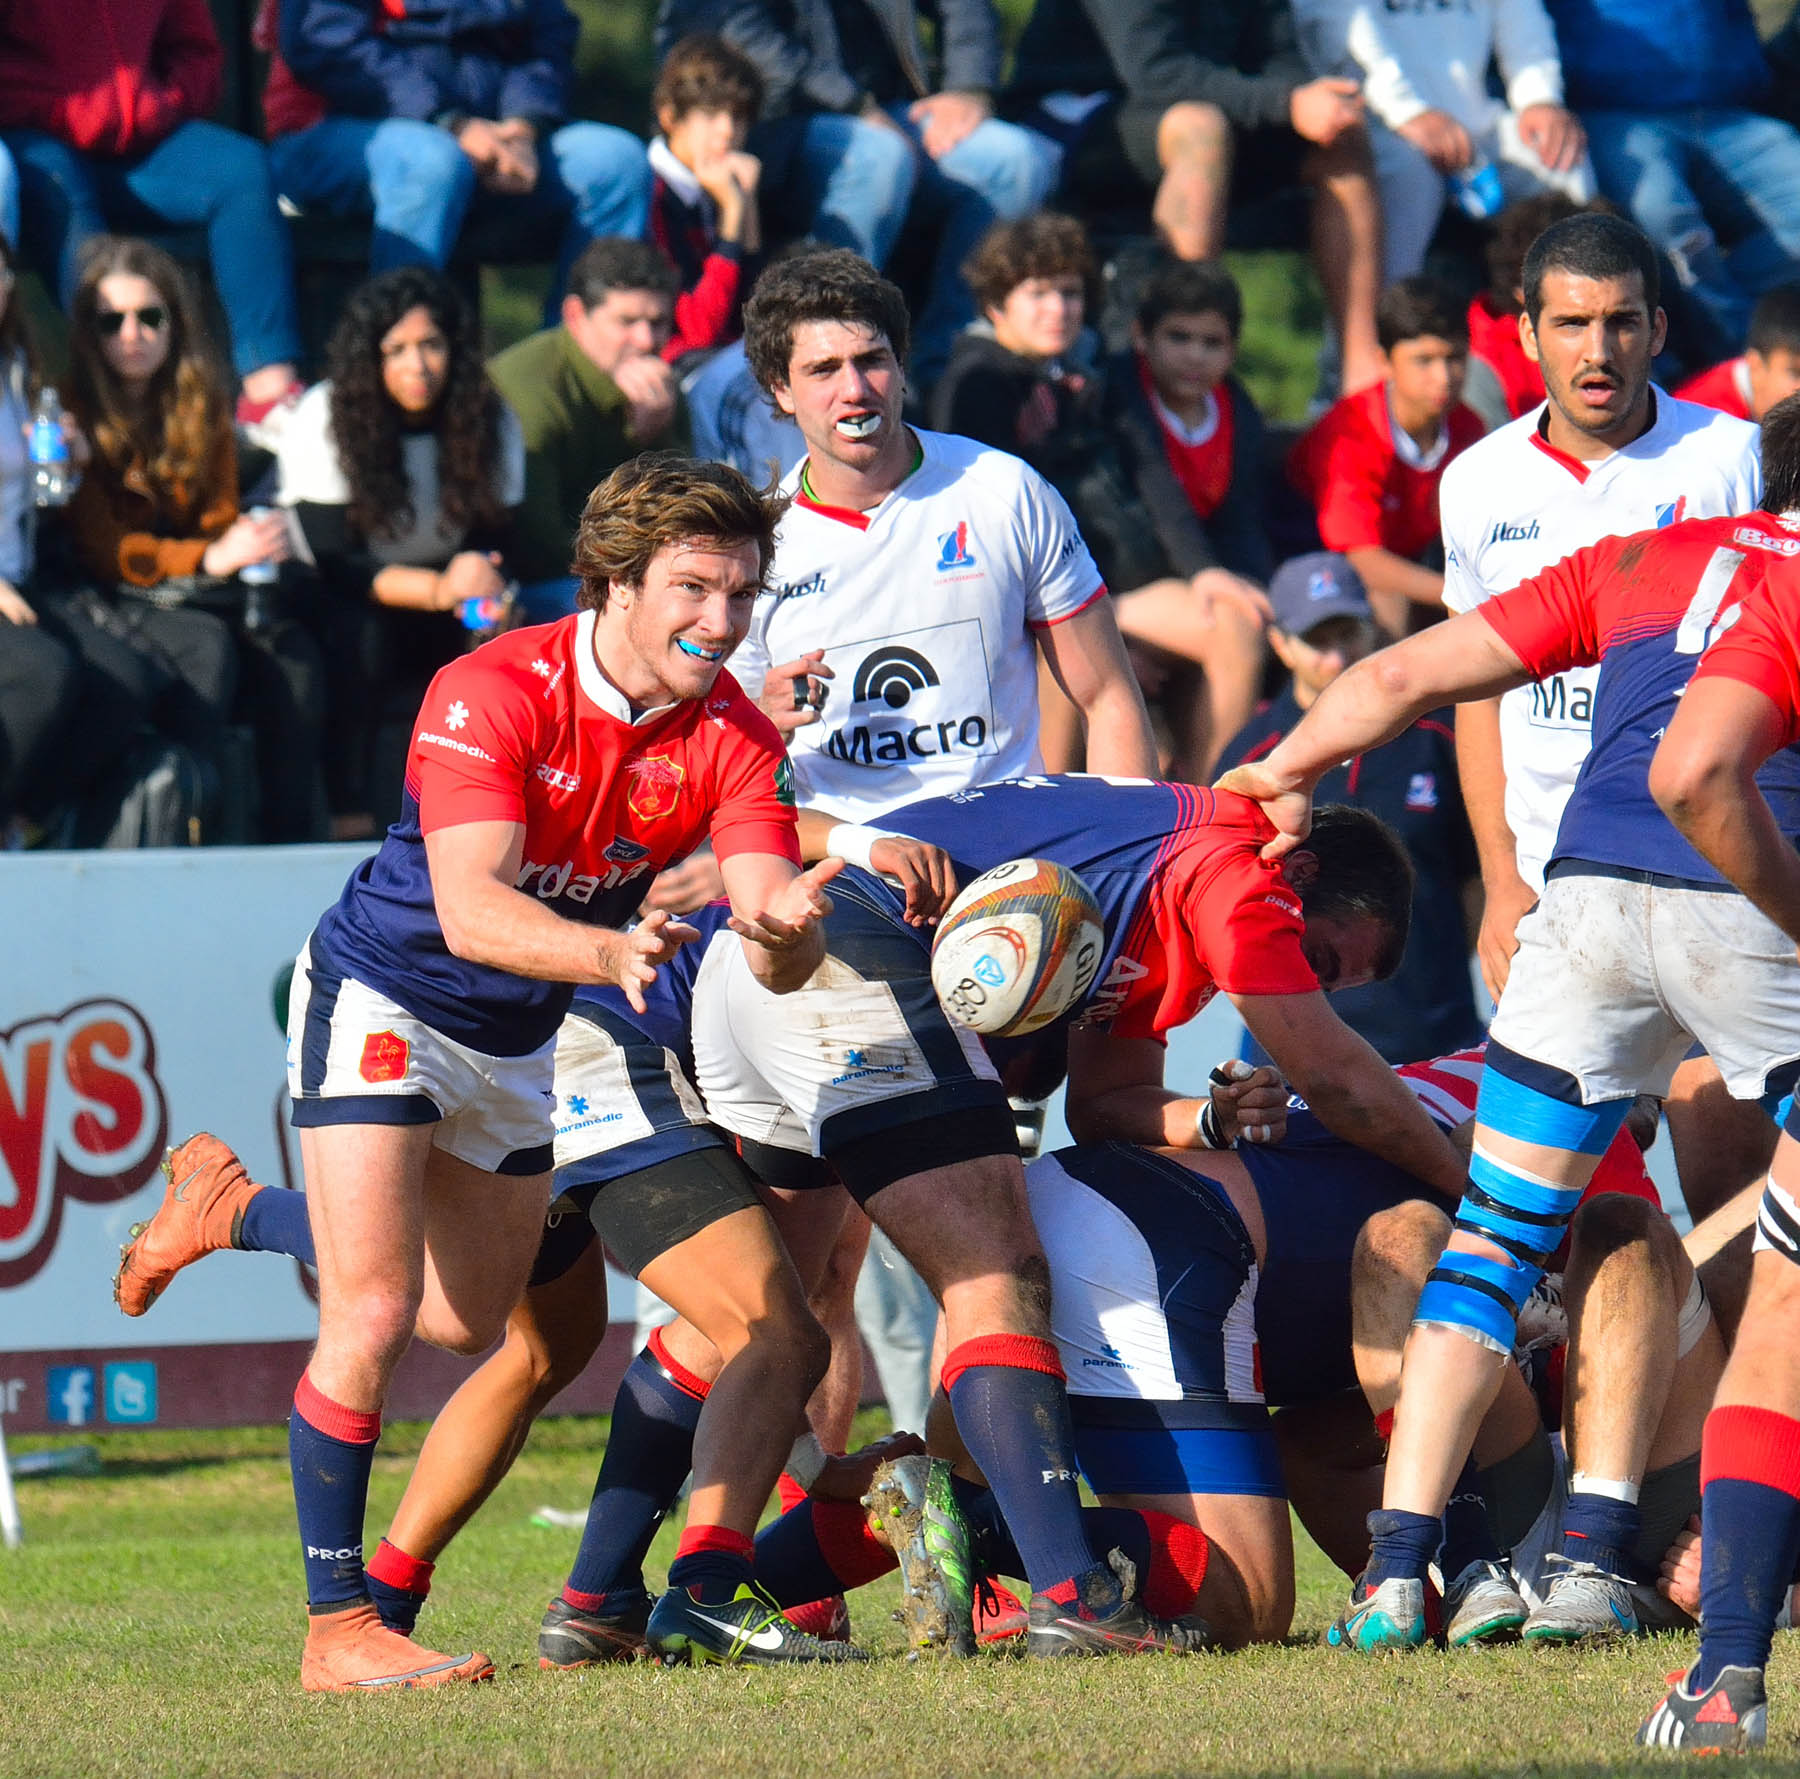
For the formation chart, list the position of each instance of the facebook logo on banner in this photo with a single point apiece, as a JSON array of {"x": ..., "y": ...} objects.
[
  {"x": 131, "y": 1391},
  {"x": 69, "y": 1395}
]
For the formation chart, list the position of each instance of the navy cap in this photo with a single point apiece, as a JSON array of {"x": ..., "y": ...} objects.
[{"x": 1309, "y": 589}]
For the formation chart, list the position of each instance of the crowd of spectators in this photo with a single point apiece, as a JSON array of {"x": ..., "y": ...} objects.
[{"x": 260, "y": 564}]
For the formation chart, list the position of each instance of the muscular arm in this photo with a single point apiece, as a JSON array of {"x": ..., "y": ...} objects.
[
  {"x": 1086, "y": 655},
  {"x": 1704, "y": 777},
  {"x": 1116, "y": 1094}
]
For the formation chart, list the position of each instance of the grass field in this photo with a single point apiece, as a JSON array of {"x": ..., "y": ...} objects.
[{"x": 150, "y": 1625}]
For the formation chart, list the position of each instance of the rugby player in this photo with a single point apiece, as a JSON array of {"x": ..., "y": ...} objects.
[
  {"x": 1635, "y": 928},
  {"x": 1607, "y": 454},
  {"x": 873, "y": 1075},
  {"x": 550, "y": 772},
  {"x": 1710, "y": 774}
]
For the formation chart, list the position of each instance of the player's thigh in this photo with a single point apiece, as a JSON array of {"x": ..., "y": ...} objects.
[
  {"x": 365, "y": 1199},
  {"x": 733, "y": 1282},
  {"x": 813, "y": 1224},
  {"x": 482, "y": 1232},
  {"x": 1583, "y": 997},
  {"x": 561, "y": 1319}
]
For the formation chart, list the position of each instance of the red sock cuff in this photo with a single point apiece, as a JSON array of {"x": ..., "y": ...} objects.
[
  {"x": 332, "y": 1419},
  {"x": 790, "y": 1492},
  {"x": 855, "y": 1554},
  {"x": 1744, "y": 1444},
  {"x": 1023, "y": 1352},
  {"x": 698, "y": 1538},
  {"x": 1178, "y": 1558},
  {"x": 390, "y": 1564},
  {"x": 1384, "y": 1426},
  {"x": 679, "y": 1375}
]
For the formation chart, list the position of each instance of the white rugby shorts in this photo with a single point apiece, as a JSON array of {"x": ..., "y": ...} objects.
[
  {"x": 356, "y": 1057},
  {"x": 1614, "y": 980}
]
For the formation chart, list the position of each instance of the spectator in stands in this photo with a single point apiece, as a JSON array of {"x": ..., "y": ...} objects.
[
  {"x": 1503, "y": 382},
  {"x": 105, "y": 117},
  {"x": 589, "y": 393},
  {"x": 1769, "y": 369},
  {"x": 860, "y": 129},
  {"x": 156, "y": 522},
  {"x": 1425, "y": 79},
  {"x": 703, "y": 203},
  {"x": 1372, "y": 464},
  {"x": 1018, "y": 380},
  {"x": 1323, "y": 624},
  {"x": 402, "y": 471},
  {"x": 1668, "y": 94},
  {"x": 430, "y": 117},
  {"x": 1206, "y": 106}
]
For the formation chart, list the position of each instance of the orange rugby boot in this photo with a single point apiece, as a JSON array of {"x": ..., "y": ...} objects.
[
  {"x": 353, "y": 1651},
  {"x": 202, "y": 1209}
]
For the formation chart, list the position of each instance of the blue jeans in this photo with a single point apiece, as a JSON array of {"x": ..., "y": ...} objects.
[
  {"x": 858, "y": 181},
  {"x": 202, "y": 176},
  {"x": 1718, "y": 191},
  {"x": 419, "y": 188}
]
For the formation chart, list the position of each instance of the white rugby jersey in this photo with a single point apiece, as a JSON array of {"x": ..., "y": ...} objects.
[
  {"x": 1512, "y": 504},
  {"x": 924, "y": 607}
]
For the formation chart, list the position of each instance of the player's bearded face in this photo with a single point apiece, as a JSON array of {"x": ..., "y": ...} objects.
[
  {"x": 1594, "y": 340},
  {"x": 845, "y": 389},
  {"x": 678, "y": 629}
]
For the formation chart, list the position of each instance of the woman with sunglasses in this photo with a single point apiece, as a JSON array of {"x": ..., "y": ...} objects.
[
  {"x": 403, "y": 470},
  {"x": 156, "y": 523}
]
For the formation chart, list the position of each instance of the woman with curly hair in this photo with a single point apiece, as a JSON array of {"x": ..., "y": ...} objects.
[
  {"x": 402, "y": 470},
  {"x": 156, "y": 523}
]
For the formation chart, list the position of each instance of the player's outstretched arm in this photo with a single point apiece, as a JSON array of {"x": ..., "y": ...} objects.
[
  {"x": 1704, "y": 777},
  {"x": 779, "y": 913},
  {"x": 1353, "y": 1093},
  {"x": 1368, "y": 704},
  {"x": 486, "y": 920},
  {"x": 1086, "y": 656}
]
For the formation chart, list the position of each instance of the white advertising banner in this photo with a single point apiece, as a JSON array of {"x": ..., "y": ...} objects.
[{"x": 136, "y": 1007}]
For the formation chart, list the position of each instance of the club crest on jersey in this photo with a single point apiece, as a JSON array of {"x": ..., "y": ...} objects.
[
  {"x": 655, "y": 786},
  {"x": 1671, "y": 512},
  {"x": 953, "y": 548},
  {"x": 384, "y": 1057},
  {"x": 1422, "y": 791},
  {"x": 625, "y": 852}
]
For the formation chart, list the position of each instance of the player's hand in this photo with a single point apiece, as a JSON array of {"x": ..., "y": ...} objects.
[
  {"x": 631, "y": 959},
  {"x": 1679, "y": 1580},
  {"x": 649, "y": 388},
  {"x": 1250, "y": 1104},
  {"x": 793, "y": 913},
  {"x": 1554, "y": 135},
  {"x": 1323, "y": 110},
  {"x": 1440, "y": 139},
  {"x": 794, "y": 693},
  {"x": 1504, "y": 908},
  {"x": 687, "y": 886},
  {"x": 847, "y": 1478},
  {"x": 924, "y": 871},
  {"x": 15, "y": 608},
  {"x": 1288, "y": 810},
  {"x": 946, "y": 119}
]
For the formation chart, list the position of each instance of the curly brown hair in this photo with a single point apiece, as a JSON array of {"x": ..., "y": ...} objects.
[
  {"x": 705, "y": 73},
  {"x": 1044, "y": 244},
  {"x": 367, "y": 425},
  {"x": 174, "y": 431},
  {"x": 831, "y": 284},
  {"x": 663, "y": 498}
]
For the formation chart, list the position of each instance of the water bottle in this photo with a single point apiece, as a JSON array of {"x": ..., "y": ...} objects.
[
  {"x": 258, "y": 578},
  {"x": 485, "y": 618},
  {"x": 1478, "y": 191},
  {"x": 53, "y": 478}
]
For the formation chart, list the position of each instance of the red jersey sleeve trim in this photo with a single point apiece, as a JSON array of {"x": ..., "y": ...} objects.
[
  {"x": 843, "y": 515},
  {"x": 1098, "y": 593}
]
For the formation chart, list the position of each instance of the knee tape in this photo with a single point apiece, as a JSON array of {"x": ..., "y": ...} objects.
[
  {"x": 1515, "y": 1210},
  {"x": 1529, "y": 1115},
  {"x": 1477, "y": 1296},
  {"x": 1695, "y": 1314},
  {"x": 1778, "y": 1223}
]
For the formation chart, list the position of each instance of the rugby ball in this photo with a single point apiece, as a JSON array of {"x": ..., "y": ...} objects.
[{"x": 1018, "y": 948}]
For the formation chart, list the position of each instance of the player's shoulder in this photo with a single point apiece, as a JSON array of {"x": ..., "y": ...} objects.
[
  {"x": 1696, "y": 426},
  {"x": 976, "y": 470},
  {"x": 730, "y": 722}
]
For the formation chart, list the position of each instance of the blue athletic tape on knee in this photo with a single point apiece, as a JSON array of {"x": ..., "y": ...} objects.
[
  {"x": 1518, "y": 1189},
  {"x": 1530, "y": 1116},
  {"x": 1454, "y": 1296}
]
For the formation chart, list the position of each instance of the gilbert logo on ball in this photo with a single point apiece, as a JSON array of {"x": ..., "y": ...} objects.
[{"x": 1017, "y": 949}]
